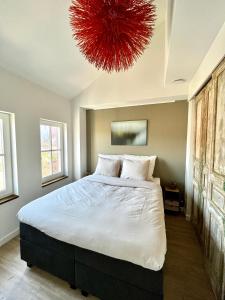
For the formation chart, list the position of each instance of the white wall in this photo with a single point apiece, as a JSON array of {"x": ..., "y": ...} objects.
[
  {"x": 80, "y": 141},
  {"x": 29, "y": 102}
]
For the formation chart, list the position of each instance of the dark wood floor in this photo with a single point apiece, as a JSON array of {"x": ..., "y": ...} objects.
[{"x": 184, "y": 274}]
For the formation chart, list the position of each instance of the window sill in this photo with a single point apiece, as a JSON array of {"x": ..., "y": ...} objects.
[
  {"x": 53, "y": 181},
  {"x": 8, "y": 198}
]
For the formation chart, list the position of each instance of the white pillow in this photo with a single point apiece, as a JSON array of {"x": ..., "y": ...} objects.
[
  {"x": 151, "y": 160},
  {"x": 111, "y": 156},
  {"x": 107, "y": 167},
  {"x": 135, "y": 169}
]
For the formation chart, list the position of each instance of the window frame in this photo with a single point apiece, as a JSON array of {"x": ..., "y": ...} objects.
[
  {"x": 7, "y": 154},
  {"x": 63, "y": 133}
]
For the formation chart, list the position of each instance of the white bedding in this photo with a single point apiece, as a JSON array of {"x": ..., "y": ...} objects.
[{"x": 117, "y": 217}]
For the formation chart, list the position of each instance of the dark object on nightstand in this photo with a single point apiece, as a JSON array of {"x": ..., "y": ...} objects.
[{"x": 172, "y": 199}]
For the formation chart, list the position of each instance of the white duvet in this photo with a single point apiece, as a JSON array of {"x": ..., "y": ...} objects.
[{"x": 117, "y": 217}]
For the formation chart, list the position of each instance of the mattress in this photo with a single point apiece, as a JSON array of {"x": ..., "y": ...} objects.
[{"x": 120, "y": 218}]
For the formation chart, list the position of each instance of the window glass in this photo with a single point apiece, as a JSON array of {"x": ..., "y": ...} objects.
[
  {"x": 2, "y": 174},
  {"x": 52, "y": 150},
  {"x": 6, "y": 159}
]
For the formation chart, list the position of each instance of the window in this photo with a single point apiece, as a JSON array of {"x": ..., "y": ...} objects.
[
  {"x": 53, "y": 144},
  {"x": 7, "y": 160}
]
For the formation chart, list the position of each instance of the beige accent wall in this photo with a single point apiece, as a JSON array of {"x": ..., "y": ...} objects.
[{"x": 167, "y": 129}]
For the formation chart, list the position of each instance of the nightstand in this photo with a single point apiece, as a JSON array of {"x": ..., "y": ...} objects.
[{"x": 172, "y": 199}]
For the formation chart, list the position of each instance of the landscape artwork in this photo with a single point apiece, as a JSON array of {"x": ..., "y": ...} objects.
[{"x": 132, "y": 133}]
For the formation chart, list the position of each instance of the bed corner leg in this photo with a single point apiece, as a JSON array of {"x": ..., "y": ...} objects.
[
  {"x": 29, "y": 264},
  {"x": 84, "y": 293},
  {"x": 73, "y": 286}
]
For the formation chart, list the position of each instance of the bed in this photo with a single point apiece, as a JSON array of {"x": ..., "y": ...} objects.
[{"x": 104, "y": 235}]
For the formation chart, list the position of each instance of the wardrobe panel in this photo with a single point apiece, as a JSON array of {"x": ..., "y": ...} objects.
[
  {"x": 216, "y": 253},
  {"x": 208, "y": 213},
  {"x": 219, "y": 157},
  {"x": 199, "y": 113},
  {"x": 210, "y": 117},
  {"x": 218, "y": 197}
]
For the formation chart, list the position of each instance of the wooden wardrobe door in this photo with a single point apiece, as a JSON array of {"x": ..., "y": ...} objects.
[
  {"x": 207, "y": 162},
  {"x": 208, "y": 213},
  {"x": 217, "y": 187},
  {"x": 219, "y": 143},
  {"x": 199, "y": 158}
]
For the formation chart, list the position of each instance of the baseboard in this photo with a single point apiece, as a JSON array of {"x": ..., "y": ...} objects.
[{"x": 9, "y": 237}]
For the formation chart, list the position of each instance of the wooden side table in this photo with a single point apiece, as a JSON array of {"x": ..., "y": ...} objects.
[{"x": 172, "y": 199}]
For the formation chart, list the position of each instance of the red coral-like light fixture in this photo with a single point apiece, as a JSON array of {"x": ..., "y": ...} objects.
[{"x": 112, "y": 34}]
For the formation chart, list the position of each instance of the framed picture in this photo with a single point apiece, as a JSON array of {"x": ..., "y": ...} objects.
[{"x": 132, "y": 133}]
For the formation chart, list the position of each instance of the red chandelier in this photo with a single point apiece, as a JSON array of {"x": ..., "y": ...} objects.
[{"x": 112, "y": 34}]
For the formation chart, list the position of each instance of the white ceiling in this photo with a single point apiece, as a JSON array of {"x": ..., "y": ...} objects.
[
  {"x": 193, "y": 25},
  {"x": 36, "y": 43},
  {"x": 143, "y": 84}
]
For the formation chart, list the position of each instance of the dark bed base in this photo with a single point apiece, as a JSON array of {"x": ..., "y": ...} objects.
[{"x": 102, "y": 276}]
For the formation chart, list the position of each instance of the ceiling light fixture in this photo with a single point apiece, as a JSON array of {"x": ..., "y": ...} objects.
[
  {"x": 179, "y": 80},
  {"x": 112, "y": 34}
]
